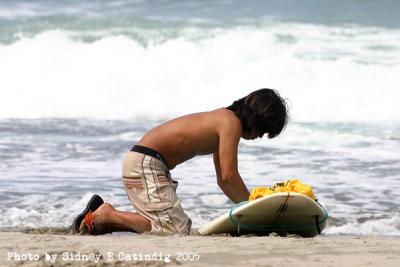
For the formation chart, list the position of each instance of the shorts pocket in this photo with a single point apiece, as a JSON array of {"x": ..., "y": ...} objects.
[{"x": 166, "y": 193}]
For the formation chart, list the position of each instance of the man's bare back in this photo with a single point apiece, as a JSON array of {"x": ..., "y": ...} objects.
[
  {"x": 183, "y": 138},
  {"x": 218, "y": 132}
]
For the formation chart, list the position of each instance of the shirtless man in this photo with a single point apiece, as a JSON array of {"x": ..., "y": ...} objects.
[{"x": 146, "y": 167}]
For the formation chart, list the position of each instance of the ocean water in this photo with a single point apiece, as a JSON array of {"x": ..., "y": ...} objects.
[{"x": 82, "y": 81}]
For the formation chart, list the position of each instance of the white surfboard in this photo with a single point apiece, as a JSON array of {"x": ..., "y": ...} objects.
[{"x": 283, "y": 213}]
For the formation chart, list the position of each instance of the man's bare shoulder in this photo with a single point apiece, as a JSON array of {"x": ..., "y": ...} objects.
[
  {"x": 221, "y": 120},
  {"x": 225, "y": 114},
  {"x": 228, "y": 122}
]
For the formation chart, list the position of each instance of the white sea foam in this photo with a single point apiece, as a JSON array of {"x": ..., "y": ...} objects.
[
  {"x": 328, "y": 73},
  {"x": 388, "y": 226}
]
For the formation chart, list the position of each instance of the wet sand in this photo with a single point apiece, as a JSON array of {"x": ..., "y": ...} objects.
[{"x": 55, "y": 249}]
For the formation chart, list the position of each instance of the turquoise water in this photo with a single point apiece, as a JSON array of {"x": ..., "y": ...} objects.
[{"x": 29, "y": 18}]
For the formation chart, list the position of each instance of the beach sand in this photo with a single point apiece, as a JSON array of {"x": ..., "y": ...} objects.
[{"x": 40, "y": 249}]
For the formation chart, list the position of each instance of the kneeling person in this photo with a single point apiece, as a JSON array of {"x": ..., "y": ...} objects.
[{"x": 146, "y": 168}]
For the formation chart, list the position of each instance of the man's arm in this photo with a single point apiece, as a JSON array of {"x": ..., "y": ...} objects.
[{"x": 226, "y": 166}]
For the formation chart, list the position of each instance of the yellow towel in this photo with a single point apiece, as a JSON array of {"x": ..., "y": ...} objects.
[{"x": 288, "y": 186}]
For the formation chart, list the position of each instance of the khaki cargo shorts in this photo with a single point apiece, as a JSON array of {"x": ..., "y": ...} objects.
[{"x": 151, "y": 190}]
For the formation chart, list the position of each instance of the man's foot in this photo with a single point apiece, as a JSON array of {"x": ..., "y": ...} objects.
[
  {"x": 94, "y": 203},
  {"x": 96, "y": 223}
]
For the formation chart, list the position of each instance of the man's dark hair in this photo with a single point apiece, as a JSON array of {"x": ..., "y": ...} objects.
[{"x": 263, "y": 111}]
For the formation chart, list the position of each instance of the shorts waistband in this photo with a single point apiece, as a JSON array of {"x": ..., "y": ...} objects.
[{"x": 149, "y": 152}]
